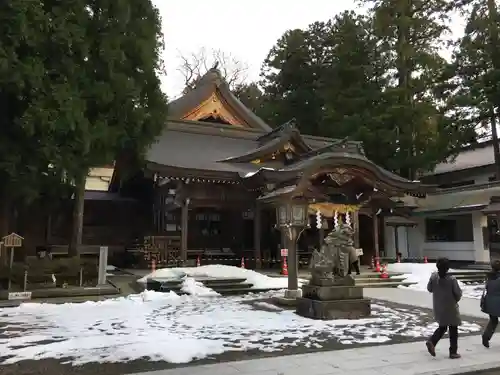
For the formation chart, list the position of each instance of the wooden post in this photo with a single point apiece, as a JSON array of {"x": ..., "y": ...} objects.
[
  {"x": 283, "y": 245},
  {"x": 12, "y": 241},
  {"x": 11, "y": 265},
  {"x": 396, "y": 240},
  {"x": 293, "y": 270},
  {"x": 375, "y": 234},
  {"x": 184, "y": 229},
  {"x": 257, "y": 228},
  {"x": 355, "y": 225}
]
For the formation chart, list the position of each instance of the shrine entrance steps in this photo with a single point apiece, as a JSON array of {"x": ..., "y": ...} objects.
[
  {"x": 223, "y": 286},
  {"x": 471, "y": 276}
]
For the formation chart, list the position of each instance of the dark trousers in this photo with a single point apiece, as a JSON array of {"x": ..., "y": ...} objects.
[
  {"x": 439, "y": 333},
  {"x": 354, "y": 265},
  {"x": 490, "y": 328}
]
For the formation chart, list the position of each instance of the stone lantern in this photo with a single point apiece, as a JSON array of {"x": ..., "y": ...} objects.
[{"x": 292, "y": 217}]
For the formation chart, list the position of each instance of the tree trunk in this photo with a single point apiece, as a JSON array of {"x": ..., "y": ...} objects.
[
  {"x": 4, "y": 225},
  {"x": 494, "y": 55},
  {"x": 404, "y": 79},
  {"x": 78, "y": 208},
  {"x": 496, "y": 146}
]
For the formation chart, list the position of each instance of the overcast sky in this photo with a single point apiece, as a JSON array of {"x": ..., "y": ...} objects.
[{"x": 246, "y": 29}]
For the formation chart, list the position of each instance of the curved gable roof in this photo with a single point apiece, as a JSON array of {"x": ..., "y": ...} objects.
[{"x": 212, "y": 85}]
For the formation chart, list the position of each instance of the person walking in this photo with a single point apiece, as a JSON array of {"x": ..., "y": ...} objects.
[
  {"x": 445, "y": 296},
  {"x": 353, "y": 261},
  {"x": 491, "y": 302}
]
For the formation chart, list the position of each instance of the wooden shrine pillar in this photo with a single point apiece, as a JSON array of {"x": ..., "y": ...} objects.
[
  {"x": 257, "y": 230},
  {"x": 375, "y": 233},
  {"x": 184, "y": 229},
  {"x": 355, "y": 225}
]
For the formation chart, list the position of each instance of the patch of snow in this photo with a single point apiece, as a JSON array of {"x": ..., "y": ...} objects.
[
  {"x": 268, "y": 306},
  {"x": 258, "y": 280},
  {"x": 419, "y": 273},
  {"x": 179, "y": 329},
  {"x": 196, "y": 288},
  {"x": 110, "y": 267},
  {"x": 150, "y": 295}
]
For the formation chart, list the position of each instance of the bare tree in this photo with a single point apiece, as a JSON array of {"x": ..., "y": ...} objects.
[{"x": 196, "y": 64}]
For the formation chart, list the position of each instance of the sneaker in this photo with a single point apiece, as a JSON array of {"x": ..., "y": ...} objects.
[
  {"x": 455, "y": 356},
  {"x": 486, "y": 343},
  {"x": 430, "y": 348}
]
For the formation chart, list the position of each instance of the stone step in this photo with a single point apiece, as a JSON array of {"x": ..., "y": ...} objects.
[
  {"x": 220, "y": 288},
  {"x": 220, "y": 281},
  {"x": 363, "y": 280},
  {"x": 471, "y": 277},
  {"x": 376, "y": 275},
  {"x": 468, "y": 273},
  {"x": 384, "y": 285}
]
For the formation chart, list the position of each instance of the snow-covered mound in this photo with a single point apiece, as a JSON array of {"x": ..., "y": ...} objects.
[{"x": 258, "y": 280}]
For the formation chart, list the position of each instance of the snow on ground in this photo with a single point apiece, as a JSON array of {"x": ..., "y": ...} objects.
[
  {"x": 179, "y": 329},
  {"x": 258, "y": 280},
  {"x": 196, "y": 288},
  {"x": 420, "y": 273}
]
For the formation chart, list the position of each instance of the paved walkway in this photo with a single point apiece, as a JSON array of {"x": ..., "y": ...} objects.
[{"x": 400, "y": 359}]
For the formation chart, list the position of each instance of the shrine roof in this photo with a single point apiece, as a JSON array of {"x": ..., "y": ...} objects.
[
  {"x": 213, "y": 88},
  {"x": 194, "y": 145}
]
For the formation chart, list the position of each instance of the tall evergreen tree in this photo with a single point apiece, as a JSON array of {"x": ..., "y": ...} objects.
[
  {"x": 36, "y": 105},
  {"x": 124, "y": 108},
  {"x": 477, "y": 64},
  {"x": 412, "y": 34},
  {"x": 353, "y": 87},
  {"x": 291, "y": 78}
]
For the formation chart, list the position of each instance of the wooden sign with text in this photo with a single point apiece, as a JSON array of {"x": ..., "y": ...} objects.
[{"x": 13, "y": 240}]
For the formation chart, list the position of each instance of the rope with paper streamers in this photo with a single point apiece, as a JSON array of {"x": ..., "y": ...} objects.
[{"x": 328, "y": 209}]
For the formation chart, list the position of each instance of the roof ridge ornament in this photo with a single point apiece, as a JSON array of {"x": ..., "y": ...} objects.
[
  {"x": 289, "y": 126},
  {"x": 339, "y": 145}
]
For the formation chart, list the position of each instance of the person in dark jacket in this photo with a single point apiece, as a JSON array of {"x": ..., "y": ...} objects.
[
  {"x": 445, "y": 296},
  {"x": 492, "y": 302}
]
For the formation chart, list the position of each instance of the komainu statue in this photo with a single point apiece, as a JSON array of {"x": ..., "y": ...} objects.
[{"x": 332, "y": 260}]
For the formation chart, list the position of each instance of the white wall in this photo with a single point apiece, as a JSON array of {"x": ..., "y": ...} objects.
[{"x": 417, "y": 247}]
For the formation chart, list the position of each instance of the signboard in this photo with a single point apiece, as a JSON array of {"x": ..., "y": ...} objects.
[
  {"x": 13, "y": 240},
  {"x": 284, "y": 252},
  {"x": 19, "y": 296}
]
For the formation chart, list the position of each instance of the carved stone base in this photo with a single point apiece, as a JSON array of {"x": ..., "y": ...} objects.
[
  {"x": 317, "y": 279},
  {"x": 331, "y": 293},
  {"x": 329, "y": 310}
]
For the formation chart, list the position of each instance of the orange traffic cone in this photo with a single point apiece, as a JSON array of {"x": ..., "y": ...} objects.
[
  {"x": 384, "y": 274},
  {"x": 198, "y": 261},
  {"x": 377, "y": 265},
  {"x": 242, "y": 262},
  {"x": 284, "y": 269},
  {"x": 425, "y": 260}
]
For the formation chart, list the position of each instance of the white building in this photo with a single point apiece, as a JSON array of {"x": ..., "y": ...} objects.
[{"x": 452, "y": 222}]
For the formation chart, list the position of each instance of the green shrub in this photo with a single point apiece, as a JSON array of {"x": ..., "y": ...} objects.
[{"x": 40, "y": 271}]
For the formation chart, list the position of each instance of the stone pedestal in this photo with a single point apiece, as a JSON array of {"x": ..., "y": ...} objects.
[
  {"x": 329, "y": 299},
  {"x": 289, "y": 299}
]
